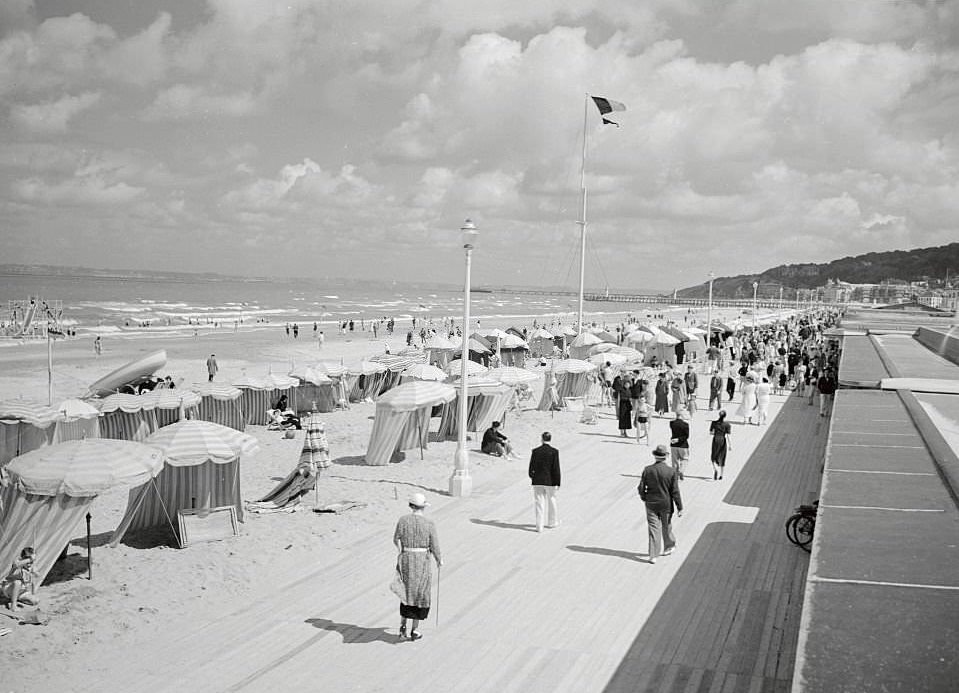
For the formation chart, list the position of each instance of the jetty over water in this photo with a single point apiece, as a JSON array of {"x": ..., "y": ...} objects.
[{"x": 649, "y": 299}]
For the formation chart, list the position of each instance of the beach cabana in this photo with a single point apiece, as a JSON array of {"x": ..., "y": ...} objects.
[
  {"x": 488, "y": 401},
  {"x": 396, "y": 365},
  {"x": 402, "y": 418},
  {"x": 541, "y": 342},
  {"x": 258, "y": 395},
  {"x": 424, "y": 371},
  {"x": 25, "y": 426},
  {"x": 455, "y": 368},
  {"x": 200, "y": 471},
  {"x": 512, "y": 350},
  {"x": 439, "y": 350},
  {"x": 134, "y": 417},
  {"x": 315, "y": 387},
  {"x": 365, "y": 380},
  {"x": 46, "y": 493},
  {"x": 78, "y": 420},
  {"x": 574, "y": 378},
  {"x": 579, "y": 347},
  {"x": 220, "y": 404}
]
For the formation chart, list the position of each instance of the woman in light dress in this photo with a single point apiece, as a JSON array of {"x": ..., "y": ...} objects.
[
  {"x": 763, "y": 391},
  {"x": 748, "y": 404},
  {"x": 416, "y": 540}
]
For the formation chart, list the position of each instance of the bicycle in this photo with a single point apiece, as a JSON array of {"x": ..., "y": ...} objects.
[{"x": 801, "y": 525}]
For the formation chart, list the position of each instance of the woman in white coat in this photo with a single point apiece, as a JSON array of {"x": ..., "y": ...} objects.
[
  {"x": 748, "y": 405},
  {"x": 763, "y": 392}
]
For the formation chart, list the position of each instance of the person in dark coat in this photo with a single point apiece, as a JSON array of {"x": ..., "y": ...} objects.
[
  {"x": 659, "y": 489},
  {"x": 544, "y": 473},
  {"x": 716, "y": 390},
  {"x": 662, "y": 394},
  {"x": 720, "y": 430},
  {"x": 624, "y": 404}
]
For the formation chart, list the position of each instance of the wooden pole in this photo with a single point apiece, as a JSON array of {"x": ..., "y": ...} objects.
[{"x": 89, "y": 550}]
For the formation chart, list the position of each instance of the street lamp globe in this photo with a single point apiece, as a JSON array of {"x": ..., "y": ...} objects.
[{"x": 469, "y": 233}]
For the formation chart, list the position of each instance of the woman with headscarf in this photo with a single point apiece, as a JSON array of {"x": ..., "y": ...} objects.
[
  {"x": 416, "y": 540},
  {"x": 662, "y": 394}
]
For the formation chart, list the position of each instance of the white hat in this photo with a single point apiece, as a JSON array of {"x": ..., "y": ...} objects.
[{"x": 418, "y": 500}]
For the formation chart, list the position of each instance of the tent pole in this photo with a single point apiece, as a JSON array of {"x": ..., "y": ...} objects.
[{"x": 89, "y": 550}]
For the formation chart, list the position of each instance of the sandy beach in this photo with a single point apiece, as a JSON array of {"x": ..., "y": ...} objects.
[{"x": 141, "y": 591}]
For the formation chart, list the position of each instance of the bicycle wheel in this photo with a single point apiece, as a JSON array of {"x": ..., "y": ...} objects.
[{"x": 800, "y": 530}]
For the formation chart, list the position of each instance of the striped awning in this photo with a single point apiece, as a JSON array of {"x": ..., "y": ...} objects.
[
  {"x": 415, "y": 395},
  {"x": 511, "y": 375},
  {"x": 217, "y": 391},
  {"x": 148, "y": 401},
  {"x": 572, "y": 366},
  {"x": 39, "y": 415},
  {"x": 189, "y": 443},
  {"x": 270, "y": 381}
]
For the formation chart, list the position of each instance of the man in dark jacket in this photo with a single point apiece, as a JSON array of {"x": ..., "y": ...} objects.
[
  {"x": 659, "y": 489},
  {"x": 544, "y": 474}
]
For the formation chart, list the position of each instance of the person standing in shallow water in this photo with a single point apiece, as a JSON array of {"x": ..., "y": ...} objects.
[{"x": 416, "y": 539}]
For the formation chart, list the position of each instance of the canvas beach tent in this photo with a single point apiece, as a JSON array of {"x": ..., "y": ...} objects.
[
  {"x": 25, "y": 426},
  {"x": 574, "y": 378},
  {"x": 512, "y": 350},
  {"x": 316, "y": 388},
  {"x": 402, "y": 418},
  {"x": 488, "y": 401},
  {"x": 365, "y": 380},
  {"x": 134, "y": 417},
  {"x": 78, "y": 420},
  {"x": 259, "y": 394},
  {"x": 220, "y": 403},
  {"x": 47, "y": 492},
  {"x": 455, "y": 368},
  {"x": 397, "y": 365},
  {"x": 541, "y": 342},
  {"x": 439, "y": 350},
  {"x": 579, "y": 347},
  {"x": 200, "y": 470}
]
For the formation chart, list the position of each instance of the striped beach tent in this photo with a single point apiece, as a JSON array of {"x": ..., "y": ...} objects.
[
  {"x": 25, "y": 426},
  {"x": 397, "y": 365},
  {"x": 455, "y": 368},
  {"x": 488, "y": 401},
  {"x": 366, "y": 379},
  {"x": 316, "y": 389},
  {"x": 574, "y": 378},
  {"x": 259, "y": 394},
  {"x": 402, "y": 418},
  {"x": 45, "y": 493},
  {"x": 201, "y": 470},
  {"x": 579, "y": 347},
  {"x": 78, "y": 420},
  {"x": 220, "y": 403}
]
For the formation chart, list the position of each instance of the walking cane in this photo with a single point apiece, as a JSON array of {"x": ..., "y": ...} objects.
[{"x": 438, "y": 569}]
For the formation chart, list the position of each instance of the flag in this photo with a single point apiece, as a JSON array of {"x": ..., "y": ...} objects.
[{"x": 607, "y": 106}]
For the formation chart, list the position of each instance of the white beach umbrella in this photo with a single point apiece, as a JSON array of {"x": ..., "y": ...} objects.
[
  {"x": 438, "y": 341},
  {"x": 424, "y": 371},
  {"x": 572, "y": 366},
  {"x": 639, "y": 336},
  {"x": 495, "y": 333},
  {"x": 511, "y": 375},
  {"x": 586, "y": 339},
  {"x": 455, "y": 368},
  {"x": 611, "y": 358},
  {"x": 511, "y": 341}
]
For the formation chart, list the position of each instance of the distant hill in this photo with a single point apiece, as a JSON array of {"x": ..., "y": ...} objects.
[{"x": 871, "y": 268}]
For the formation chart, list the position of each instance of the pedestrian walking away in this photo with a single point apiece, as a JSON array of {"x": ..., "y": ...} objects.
[
  {"x": 720, "y": 430},
  {"x": 212, "y": 367},
  {"x": 544, "y": 474},
  {"x": 679, "y": 442},
  {"x": 416, "y": 540},
  {"x": 659, "y": 490}
]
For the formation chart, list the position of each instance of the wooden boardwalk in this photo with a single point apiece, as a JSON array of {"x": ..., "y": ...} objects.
[{"x": 576, "y": 608}]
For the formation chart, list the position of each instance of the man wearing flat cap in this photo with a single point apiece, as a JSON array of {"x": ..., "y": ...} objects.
[{"x": 659, "y": 489}]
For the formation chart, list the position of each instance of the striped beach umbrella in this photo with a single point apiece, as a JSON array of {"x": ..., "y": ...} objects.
[
  {"x": 572, "y": 366},
  {"x": 81, "y": 468},
  {"x": 186, "y": 443},
  {"x": 316, "y": 448},
  {"x": 39, "y": 415},
  {"x": 416, "y": 394},
  {"x": 511, "y": 375}
]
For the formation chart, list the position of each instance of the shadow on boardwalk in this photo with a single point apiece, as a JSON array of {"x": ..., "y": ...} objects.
[{"x": 729, "y": 619}]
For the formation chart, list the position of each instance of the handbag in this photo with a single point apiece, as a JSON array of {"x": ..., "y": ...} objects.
[{"x": 397, "y": 586}]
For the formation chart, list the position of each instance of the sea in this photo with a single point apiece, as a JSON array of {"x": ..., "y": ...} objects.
[{"x": 97, "y": 302}]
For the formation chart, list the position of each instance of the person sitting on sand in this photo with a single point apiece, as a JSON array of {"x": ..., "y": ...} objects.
[
  {"x": 495, "y": 443},
  {"x": 19, "y": 586}
]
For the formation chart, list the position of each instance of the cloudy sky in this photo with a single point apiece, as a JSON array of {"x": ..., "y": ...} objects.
[{"x": 311, "y": 137}]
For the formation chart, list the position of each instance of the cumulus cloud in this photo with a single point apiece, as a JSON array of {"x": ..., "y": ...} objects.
[
  {"x": 52, "y": 116},
  {"x": 87, "y": 190},
  {"x": 182, "y": 102}
]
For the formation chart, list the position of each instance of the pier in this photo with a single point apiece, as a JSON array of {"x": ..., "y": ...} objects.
[{"x": 651, "y": 299}]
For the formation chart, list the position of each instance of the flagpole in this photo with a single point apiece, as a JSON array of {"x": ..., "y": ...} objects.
[{"x": 582, "y": 223}]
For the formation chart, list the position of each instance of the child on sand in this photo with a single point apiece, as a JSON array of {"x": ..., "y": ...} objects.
[{"x": 18, "y": 585}]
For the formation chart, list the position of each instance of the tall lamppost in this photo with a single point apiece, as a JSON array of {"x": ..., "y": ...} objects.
[
  {"x": 755, "y": 290},
  {"x": 461, "y": 484},
  {"x": 709, "y": 313},
  {"x": 780, "y": 302}
]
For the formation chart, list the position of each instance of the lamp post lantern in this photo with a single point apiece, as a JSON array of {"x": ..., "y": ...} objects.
[
  {"x": 461, "y": 484},
  {"x": 755, "y": 291}
]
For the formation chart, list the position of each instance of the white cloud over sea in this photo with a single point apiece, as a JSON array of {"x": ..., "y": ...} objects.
[{"x": 351, "y": 139}]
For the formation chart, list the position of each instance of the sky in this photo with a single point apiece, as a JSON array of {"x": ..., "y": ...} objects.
[{"x": 312, "y": 138}]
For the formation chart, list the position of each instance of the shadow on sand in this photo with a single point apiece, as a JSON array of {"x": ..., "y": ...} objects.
[
  {"x": 602, "y": 551},
  {"x": 503, "y": 525},
  {"x": 353, "y": 634}
]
